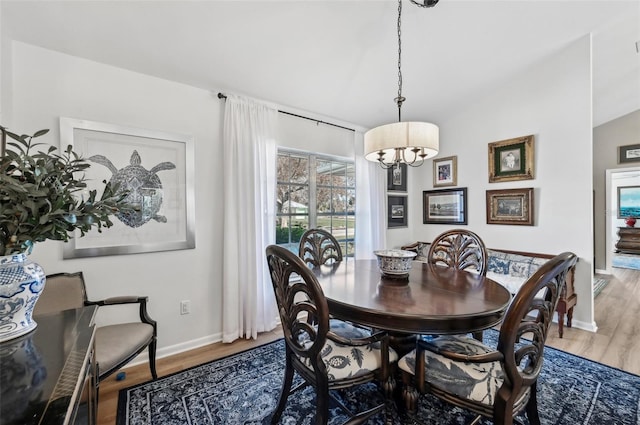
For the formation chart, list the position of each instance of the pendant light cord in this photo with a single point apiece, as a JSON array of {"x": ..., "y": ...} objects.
[{"x": 399, "y": 99}]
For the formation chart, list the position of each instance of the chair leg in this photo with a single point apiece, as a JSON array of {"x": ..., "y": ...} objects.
[
  {"x": 409, "y": 395},
  {"x": 560, "y": 324},
  {"x": 322, "y": 400},
  {"x": 569, "y": 317},
  {"x": 284, "y": 394},
  {"x": 152, "y": 358},
  {"x": 532, "y": 406}
]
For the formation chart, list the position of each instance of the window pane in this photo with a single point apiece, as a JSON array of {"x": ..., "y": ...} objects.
[
  {"x": 323, "y": 199},
  {"x": 299, "y": 169},
  {"x": 351, "y": 201},
  {"x": 339, "y": 201},
  {"x": 351, "y": 175},
  {"x": 323, "y": 173},
  {"x": 292, "y": 168},
  {"x": 289, "y": 231},
  {"x": 339, "y": 175},
  {"x": 339, "y": 231}
]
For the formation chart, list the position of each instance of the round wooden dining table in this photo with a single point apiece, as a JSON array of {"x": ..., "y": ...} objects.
[{"x": 433, "y": 300}]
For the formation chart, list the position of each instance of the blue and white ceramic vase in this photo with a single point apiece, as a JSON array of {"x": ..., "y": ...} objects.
[{"x": 21, "y": 282}]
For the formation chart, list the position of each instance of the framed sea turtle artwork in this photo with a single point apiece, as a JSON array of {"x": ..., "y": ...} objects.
[{"x": 156, "y": 171}]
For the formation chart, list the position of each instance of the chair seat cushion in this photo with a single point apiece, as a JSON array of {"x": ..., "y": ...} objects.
[
  {"x": 348, "y": 330},
  {"x": 347, "y": 361},
  {"x": 478, "y": 382},
  {"x": 116, "y": 343}
]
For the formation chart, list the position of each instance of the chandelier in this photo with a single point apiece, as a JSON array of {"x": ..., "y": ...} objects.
[{"x": 408, "y": 142}]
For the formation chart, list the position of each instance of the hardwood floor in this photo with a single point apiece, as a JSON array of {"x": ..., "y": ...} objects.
[
  {"x": 617, "y": 310},
  {"x": 617, "y": 314}
]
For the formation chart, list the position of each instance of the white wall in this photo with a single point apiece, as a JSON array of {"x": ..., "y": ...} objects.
[
  {"x": 47, "y": 85},
  {"x": 551, "y": 100}
]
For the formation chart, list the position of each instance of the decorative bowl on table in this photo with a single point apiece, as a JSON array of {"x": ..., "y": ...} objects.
[{"x": 395, "y": 263}]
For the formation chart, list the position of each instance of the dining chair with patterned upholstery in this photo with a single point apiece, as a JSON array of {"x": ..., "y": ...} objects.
[
  {"x": 318, "y": 247},
  {"x": 496, "y": 383},
  {"x": 323, "y": 359},
  {"x": 461, "y": 249},
  {"x": 115, "y": 345}
]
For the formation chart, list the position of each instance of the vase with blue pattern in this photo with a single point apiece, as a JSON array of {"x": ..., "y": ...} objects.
[{"x": 21, "y": 282}]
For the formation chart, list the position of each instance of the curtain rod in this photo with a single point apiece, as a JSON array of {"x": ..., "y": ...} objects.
[{"x": 224, "y": 96}]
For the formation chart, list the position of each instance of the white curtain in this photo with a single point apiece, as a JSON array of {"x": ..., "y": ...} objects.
[
  {"x": 248, "y": 303},
  {"x": 371, "y": 230}
]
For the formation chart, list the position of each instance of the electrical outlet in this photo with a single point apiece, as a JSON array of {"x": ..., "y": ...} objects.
[{"x": 185, "y": 307}]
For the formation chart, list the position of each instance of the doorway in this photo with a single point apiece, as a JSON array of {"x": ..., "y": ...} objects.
[{"x": 618, "y": 177}]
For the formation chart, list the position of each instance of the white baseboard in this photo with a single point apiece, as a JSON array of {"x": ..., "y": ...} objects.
[
  {"x": 591, "y": 327},
  {"x": 176, "y": 349},
  {"x": 601, "y": 271}
]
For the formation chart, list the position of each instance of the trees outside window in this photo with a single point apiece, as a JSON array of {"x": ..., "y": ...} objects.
[{"x": 315, "y": 191}]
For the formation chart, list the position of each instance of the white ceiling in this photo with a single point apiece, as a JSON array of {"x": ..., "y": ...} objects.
[{"x": 339, "y": 58}]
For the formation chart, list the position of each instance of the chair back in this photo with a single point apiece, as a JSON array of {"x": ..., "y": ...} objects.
[
  {"x": 318, "y": 247},
  {"x": 460, "y": 249},
  {"x": 526, "y": 323},
  {"x": 303, "y": 308},
  {"x": 62, "y": 291}
]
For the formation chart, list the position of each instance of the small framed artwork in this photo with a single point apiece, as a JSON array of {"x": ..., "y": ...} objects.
[
  {"x": 510, "y": 206},
  {"x": 396, "y": 211},
  {"x": 445, "y": 171},
  {"x": 397, "y": 178},
  {"x": 445, "y": 206},
  {"x": 511, "y": 159},
  {"x": 628, "y": 153},
  {"x": 628, "y": 201},
  {"x": 156, "y": 168}
]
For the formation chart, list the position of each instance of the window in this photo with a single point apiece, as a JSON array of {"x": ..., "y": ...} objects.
[{"x": 315, "y": 191}]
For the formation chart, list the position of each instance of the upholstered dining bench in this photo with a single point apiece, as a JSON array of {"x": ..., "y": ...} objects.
[{"x": 511, "y": 269}]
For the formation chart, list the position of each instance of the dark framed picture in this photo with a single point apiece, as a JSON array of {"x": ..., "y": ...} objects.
[
  {"x": 445, "y": 206},
  {"x": 510, "y": 206},
  {"x": 511, "y": 159},
  {"x": 628, "y": 153},
  {"x": 396, "y": 211},
  {"x": 397, "y": 178},
  {"x": 445, "y": 171},
  {"x": 628, "y": 201}
]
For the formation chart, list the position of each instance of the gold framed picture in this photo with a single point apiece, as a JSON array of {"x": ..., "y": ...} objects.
[
  {"x": 445, "y": 171},
  {"x": 511, "y": 159},
  {"x": 510, "y": 206}
]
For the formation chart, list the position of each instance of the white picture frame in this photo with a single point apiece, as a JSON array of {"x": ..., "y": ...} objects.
[{"x": 165, "y": 217}]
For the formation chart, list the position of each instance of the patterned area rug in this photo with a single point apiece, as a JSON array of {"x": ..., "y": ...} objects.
[
  {"x": 598, "y": 285},
  {"x": 244, "y": 389},
  {"x": 626, "y": 261}
]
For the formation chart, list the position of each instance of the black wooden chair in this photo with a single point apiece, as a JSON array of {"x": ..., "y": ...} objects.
[
  {"x": 496, "y": 383},
  {"x": 115, "y": 345},
  {"x": 318, "y": 247},
  {"x": 460, "y": 249},
  {"x": 322, "y": 358}
]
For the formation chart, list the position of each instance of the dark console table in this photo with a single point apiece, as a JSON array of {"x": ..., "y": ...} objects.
[
  {"x": 48, "y": 375},
  {"x": 629, "y": 240}
]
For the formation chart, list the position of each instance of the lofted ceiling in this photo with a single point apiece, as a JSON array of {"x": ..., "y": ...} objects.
[{"x": 339, "y": 58}]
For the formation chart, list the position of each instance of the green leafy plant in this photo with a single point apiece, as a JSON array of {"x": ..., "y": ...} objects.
[{"x": 41, "y": 194}]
